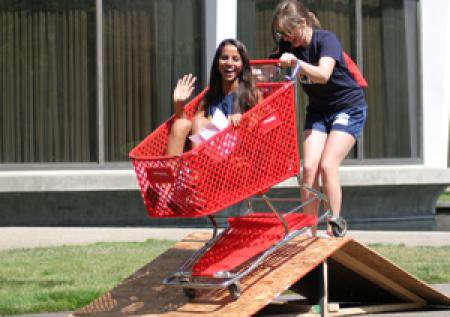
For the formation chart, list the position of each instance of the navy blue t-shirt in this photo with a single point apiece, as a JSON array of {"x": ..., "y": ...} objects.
[
  {"x": 224, "y": 103},
  {"x": 341, "y": 90}
]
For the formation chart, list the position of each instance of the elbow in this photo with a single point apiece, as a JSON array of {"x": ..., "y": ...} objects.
[{"x": 323, "y": 79}]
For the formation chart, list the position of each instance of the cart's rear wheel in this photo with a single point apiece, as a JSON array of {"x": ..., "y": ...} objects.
[
  {"x": 189, "y": 292},
  {"x": 235, "y": 290},
  {"x": 338, "y": 226}
]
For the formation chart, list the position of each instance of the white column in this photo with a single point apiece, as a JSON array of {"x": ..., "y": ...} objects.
[
  {"x": 221, "y": 19},
  {"x": 226, "y": 20},
  {"x": 100, "y": 100},
  {"x": 435, "y": 81},
  {"x": 447, "y": 85}
]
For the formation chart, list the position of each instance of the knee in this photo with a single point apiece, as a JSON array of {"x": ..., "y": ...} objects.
[
  {"x": 328, "y": 167},
  {"x": 310, "y": 169},
  {"x": 198, "y": 123},
  {"x": 181, "y": 128}
]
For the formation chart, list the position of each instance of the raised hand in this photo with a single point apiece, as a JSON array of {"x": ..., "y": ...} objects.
[{"x": 183, "y": 90}]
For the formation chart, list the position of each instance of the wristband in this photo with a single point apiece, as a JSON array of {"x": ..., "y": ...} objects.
[{"x": 294, "y": 71}]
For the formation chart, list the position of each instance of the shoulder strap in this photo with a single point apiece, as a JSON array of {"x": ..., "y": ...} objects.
[{"x": 354, "y": 71}]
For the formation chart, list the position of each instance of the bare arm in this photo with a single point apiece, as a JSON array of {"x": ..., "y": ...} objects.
[
  {"x": 319, "y": 74},
  {"x": 235, "y": 118},
  {"x": 259, "y": 97}
]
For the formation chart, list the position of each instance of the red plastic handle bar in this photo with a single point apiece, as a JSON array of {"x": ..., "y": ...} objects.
[{"x": 265, "y": 62}]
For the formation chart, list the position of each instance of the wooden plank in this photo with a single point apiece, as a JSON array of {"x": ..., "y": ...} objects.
[
  {"x": 142, "y": 294},
  {"x": 334, "y": 311},
  {"x": 324, "y": 289},
  {"x": 295, "y": 307},
  {"x": 377, "y": 309},
  {"x": 385, "y": 267},
  {"x": 374, "y": 276}
]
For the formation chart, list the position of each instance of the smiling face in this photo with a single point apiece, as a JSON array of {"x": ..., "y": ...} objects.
[{"x": 230, "y": 64}]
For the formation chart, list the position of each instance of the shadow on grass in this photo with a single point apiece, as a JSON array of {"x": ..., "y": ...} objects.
[{"x": 35, "y": 283}]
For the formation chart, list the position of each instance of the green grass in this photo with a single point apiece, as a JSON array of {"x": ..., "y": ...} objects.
[
  {"x": 430, "y": 264},
  {"x": 67, "y": 278},
  {"x": 444, "y": 197}
]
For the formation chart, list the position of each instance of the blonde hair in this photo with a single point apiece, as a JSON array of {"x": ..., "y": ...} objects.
[{"x": 289, "y": 13}]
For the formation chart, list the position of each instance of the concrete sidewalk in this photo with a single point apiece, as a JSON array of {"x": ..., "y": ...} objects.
[{"x": 31, "y": 237}]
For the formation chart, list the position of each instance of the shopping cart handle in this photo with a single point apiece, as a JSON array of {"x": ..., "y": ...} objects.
[
  {"x": 254, "y": 62},
  {"x": 276, "y": 62}
]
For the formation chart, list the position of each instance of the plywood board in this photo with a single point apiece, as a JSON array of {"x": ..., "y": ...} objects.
[
  {"x": 143, "y": 295},
  {"x": 396, "y": 275}
]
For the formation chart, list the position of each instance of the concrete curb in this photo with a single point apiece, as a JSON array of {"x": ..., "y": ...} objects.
[{"x": 32, "y": 237}]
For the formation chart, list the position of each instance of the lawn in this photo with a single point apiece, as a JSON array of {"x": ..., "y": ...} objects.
[
  {"x": 430, "y": 264},
  {"x": 69, "y": 277},
  {"x": 445, "y": 197}
]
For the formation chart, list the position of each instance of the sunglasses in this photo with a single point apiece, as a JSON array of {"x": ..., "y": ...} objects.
[{"x": 279, "y": 35}]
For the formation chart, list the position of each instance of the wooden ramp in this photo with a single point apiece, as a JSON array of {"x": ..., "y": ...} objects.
[{"x": 324, "y": 270}]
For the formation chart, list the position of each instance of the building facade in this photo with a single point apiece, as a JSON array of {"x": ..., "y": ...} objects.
[{"x": 82, "y": 82}]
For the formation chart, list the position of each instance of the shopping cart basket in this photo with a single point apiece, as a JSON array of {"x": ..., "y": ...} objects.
[{"x": 235, "y": 164}]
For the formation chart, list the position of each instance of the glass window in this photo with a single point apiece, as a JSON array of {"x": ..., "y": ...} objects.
[
  {"x": 47, "y": 80},
  {"x": 148, "y": 45},
  {"x": 389, "y": 40},
  {"x": 390, "y": 65}
]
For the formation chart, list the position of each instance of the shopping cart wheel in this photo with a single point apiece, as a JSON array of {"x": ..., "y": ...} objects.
[
  {"x": 235, "y": 290},
  {"x": 189, "y": 292},
  {"x": 338, "y": 226}
]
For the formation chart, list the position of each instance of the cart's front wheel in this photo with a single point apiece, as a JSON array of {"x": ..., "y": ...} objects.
[
  {"x": 189, "y": 292},
  {"x": 338, "y": 226},
  {"x": 235, "y": 290}
]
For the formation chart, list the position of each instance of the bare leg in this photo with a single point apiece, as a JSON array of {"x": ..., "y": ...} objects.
[
  {"x": 175, "y": 146},
  {"x": 198, "y": 122},
  {"x": 313, "y": 145},
  {"x": 177, "y": 136},
  {"x": 337, "y": 147}
]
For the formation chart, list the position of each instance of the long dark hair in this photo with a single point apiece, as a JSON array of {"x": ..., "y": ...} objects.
[
  {"x": 288, "y": 14},
  {"x": 246, "y": 94}
]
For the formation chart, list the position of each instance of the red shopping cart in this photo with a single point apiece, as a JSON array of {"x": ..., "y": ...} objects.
[{"x": 235, "y": 164}]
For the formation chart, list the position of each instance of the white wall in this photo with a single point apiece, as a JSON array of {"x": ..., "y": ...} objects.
[
  {"x": 221, "y": 23},
  {"x": 436, "y": 80}
]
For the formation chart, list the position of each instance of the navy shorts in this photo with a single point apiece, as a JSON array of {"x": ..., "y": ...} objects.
[{"x": 350, "y": 120}]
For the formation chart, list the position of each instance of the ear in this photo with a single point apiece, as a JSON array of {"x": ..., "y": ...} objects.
[{"x": 302, "y": 22}]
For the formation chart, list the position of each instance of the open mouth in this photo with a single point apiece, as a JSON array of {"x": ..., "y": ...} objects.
[{"x": 229, "y": 72}]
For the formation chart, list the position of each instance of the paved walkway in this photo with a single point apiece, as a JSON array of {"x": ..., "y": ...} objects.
[{"x": 31, "y": 237}]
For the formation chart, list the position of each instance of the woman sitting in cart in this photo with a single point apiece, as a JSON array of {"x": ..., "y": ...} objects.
[{"x": 232, "y": 89}]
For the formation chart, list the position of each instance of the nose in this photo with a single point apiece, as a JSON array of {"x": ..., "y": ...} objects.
[
  {"x": 286, "y": 38},
  {"x": 229, "y": 61}
]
